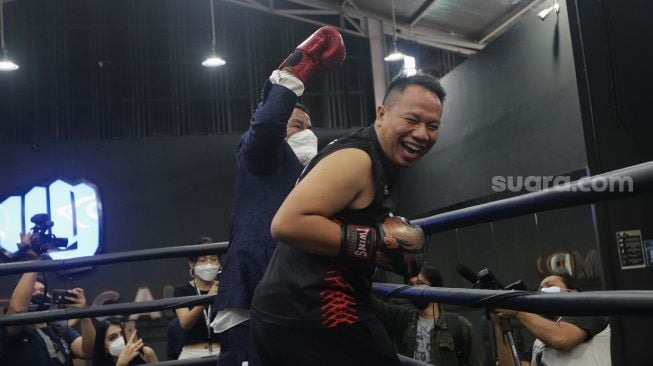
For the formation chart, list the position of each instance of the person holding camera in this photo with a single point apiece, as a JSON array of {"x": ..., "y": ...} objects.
[
  {"x": 116, "y": 345},
  {"x": 561, "y": 340},
  {"x": 199, "y": 339},
  {"x": 44, "y": 343}
]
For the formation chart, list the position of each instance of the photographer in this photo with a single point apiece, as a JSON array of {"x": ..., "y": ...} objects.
[
  {"x": 581, "y": 341},
  {"x": 43, "y": 343}
]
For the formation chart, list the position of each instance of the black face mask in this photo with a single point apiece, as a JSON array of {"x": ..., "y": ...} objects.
[
  {"x": 421, "y": 304},
  {"x": 39, "y": 302}
]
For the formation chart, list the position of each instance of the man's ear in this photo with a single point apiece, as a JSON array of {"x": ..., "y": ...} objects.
[{"x": 380, "y": 113}]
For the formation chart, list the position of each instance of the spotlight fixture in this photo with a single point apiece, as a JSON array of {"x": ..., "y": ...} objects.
[
  {"x": 5, "y": 63},
  {"x": 545, "y": 13},
  {"x": 395, "y": 55},
  {"x": 213, "y": 60}
]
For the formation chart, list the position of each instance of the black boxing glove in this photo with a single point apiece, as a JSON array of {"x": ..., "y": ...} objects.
[
  {"x": 323, "y": 50},
  {"x": 394, "y": 245}
]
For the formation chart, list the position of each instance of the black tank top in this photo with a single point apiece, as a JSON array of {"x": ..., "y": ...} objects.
[{"x": 307, "y": 290}]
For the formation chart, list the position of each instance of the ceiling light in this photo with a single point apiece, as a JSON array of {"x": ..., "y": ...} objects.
[
  {"x": 8, "y": 65},
  {"x": 395, "y": 55},
  {"x": 545, "y": 13},
  {"x": 213, "y": 60},
  {"x": 5, "y": 64}
]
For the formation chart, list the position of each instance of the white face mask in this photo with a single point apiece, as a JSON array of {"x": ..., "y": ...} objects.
[
  {"x": 116, "y": 347},
  {"x": 207, "y": 272},
  {"x": 304, "y": 145},
  {"x": 550, "y": 290}
]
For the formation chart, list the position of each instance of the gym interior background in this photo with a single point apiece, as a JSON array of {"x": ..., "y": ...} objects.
[{"x": 113, "y": 92}]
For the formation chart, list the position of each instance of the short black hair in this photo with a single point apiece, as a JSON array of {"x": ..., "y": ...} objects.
[
  {"x": 402, "y": 80},
  {"x": 432, "y": 275},
  {"x": 302, "y": 108},
  {"x": 569, "y": 281},
  {"x": 201, "y": 240}
]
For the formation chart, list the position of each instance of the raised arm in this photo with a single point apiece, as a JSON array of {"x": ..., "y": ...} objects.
[
  {"x": 323, "y": 50},
  {"x": 23, "y": 291},
  {"x": 82, "y": 346},
  {"x": 267, "y": 130},
  {"x": 20, "y": 298}
]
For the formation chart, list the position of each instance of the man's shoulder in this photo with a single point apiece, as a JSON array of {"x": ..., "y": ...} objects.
[
  {"x": 455, "y": 317},
  {"x": 358, "y": 138},
  {"x": 354, "y": 144},
  {"x": 591, "y": 324},
  {"x": 28, "y": 347},
  {"x": 24, "y": 332},
  {"x": 26, "y": 338}
]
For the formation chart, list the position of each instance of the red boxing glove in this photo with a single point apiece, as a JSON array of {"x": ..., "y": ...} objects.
[
  {"x": 395, "y": 245},
  {"x": 323, "y": 50}
]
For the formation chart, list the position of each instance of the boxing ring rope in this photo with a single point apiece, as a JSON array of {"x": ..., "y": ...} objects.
[
  {"x": 588, "y": 303},
  {"x": 212, "y": 361},
  {"x": 566, "y": 195},
  {"x": 204, "y": 361},
  {"x": 105, "y": 310},
  {"x": 131, "y": 256}
]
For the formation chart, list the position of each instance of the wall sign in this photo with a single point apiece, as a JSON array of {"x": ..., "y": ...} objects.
[
  {"x": 75, "y": 209},
  {"x": 631, "y": 249}
]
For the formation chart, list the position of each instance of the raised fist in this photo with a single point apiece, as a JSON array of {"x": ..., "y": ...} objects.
[
  {"x": 323, "y": 50},
  {"x": 394, "y": 245}
]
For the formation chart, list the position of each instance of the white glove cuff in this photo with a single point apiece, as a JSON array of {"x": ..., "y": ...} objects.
[{"x": 287, "y": 79}]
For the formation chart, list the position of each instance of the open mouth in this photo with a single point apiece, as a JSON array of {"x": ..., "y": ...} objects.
[{"x": 411, "y": 148}]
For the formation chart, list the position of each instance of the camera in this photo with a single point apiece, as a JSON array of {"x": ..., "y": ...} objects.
[
  {"x": 59, "y": 297},
  {"x": 42, "y": 238},
  {"x": 488, "y": 281}
]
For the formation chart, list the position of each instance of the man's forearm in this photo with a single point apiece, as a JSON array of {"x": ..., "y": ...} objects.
[
  {"x": 504, "y": 354},
  {"x": 22, "y": 294},
  {"x": 21, "y": 297},
  {"x": 562, "y": 336},
  {"x": 88, "y": 338},
  {"x": 542, "y": 328}
]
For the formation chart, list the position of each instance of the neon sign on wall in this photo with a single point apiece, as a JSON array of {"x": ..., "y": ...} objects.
[{"x": 76, "y": 211}]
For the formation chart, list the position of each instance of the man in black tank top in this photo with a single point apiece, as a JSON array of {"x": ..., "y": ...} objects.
[{"x": 312, "y": 306}]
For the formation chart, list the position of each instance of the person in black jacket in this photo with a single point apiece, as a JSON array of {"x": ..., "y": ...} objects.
[{"x": 429, "y": 333}]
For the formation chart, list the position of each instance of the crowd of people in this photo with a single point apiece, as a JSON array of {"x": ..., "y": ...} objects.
[{"x": 308, "y": 231}]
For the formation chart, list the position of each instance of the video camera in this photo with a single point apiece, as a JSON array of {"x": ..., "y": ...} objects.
[
  {"x": 488, "y": 281},
  {"x": 42, "y": 238}
]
